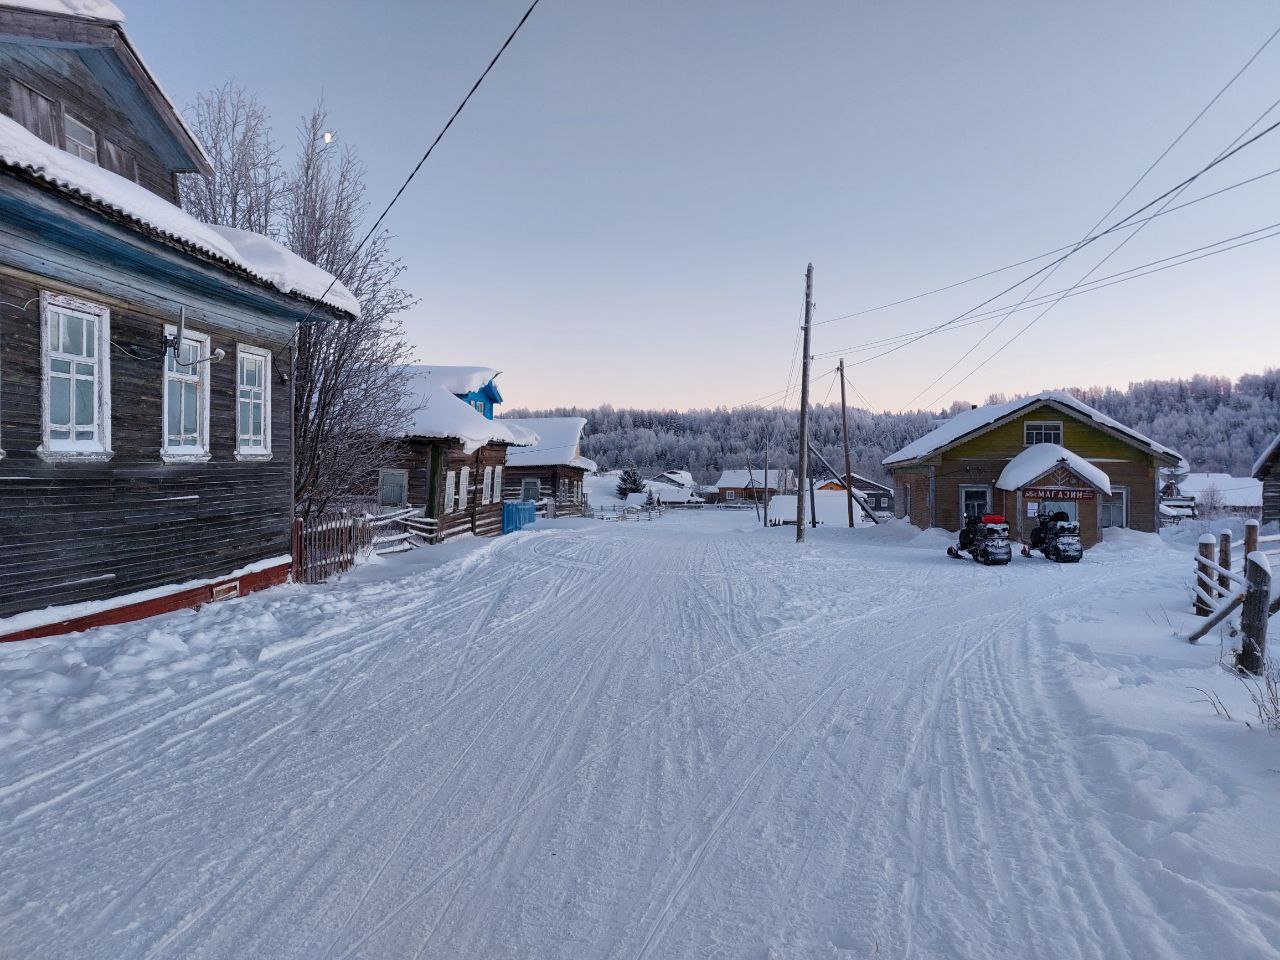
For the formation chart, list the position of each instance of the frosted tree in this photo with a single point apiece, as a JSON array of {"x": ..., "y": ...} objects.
[
  {"x": 349, "y": 389},
  {"x": 630, "y": 482}
]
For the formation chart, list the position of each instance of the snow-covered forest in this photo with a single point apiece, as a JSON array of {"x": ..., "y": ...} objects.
[{"x": 1218, "y": 424}]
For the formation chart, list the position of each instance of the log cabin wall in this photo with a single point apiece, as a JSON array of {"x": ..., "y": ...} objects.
[
  {"x": 476, "y": 514},
  {"x": 557, "y": 482},
  {"x": 77, "y": 531}
]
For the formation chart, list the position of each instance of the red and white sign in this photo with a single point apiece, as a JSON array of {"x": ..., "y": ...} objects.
[{"x": 1057, "y": 493}]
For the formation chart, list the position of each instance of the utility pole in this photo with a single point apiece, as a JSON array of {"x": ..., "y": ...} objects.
[
  {"x": 844, "y": 418},
  {"x": 766, "y": 478},
  {"x": 751, "y": 482},
  {"x": 804, "y": 406}
]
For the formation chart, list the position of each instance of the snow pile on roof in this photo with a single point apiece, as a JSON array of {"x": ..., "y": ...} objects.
[
  {"x": 967, "y": 422},
  {"x": 438, "y": 413},
  {"x": 558, "y": 443},
  {"x": 1272, "y": 450},
  {"x": 1232, "y": 491},
  {"x": 743, "y": 479},
  {"x": 280, "y": 266},
  {"x": 88, "y": 9},
  {"x": 457, "y": 379},
  {"x": 256, "y": 255},
  {"x": 680, "y": 478},
  {"x": 1035, "y": 461}
]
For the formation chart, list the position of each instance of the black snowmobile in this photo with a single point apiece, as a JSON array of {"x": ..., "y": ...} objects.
[
  {"x": 1058, "y": 537},
  {"x": 985, "y": 537}
]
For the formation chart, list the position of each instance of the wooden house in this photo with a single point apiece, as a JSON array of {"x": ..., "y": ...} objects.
[
  {"x": 450, "y": 461},
  {"x": 740, "y": 484},
  {"x": 145, "y": 403},
  {"x": 1217, "y": 494},
  {"x": 552, "y": 469},
  {"x": 1101, "y": 473},
  {"x": 475, "y": 386},
  {"x": 1267, "y": 469},
  {"x": 878, "y": 496}
]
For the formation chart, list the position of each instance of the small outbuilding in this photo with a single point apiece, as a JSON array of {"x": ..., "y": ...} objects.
[
  {"x": 878, "y": 496},
  {"x": 1267, "y": 469},
  {"x": 748, "y": 484},
  {"x": 551, "y": 468}
]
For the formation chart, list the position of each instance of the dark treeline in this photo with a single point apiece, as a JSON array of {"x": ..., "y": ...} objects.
[{"x": 1218, "y": 424}]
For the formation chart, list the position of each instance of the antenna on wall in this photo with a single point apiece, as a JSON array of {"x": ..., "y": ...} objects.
[{"x": 174, "y": 343}]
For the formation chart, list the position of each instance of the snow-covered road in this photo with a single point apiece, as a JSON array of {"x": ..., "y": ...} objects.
[{"x": 676, "y": 739}]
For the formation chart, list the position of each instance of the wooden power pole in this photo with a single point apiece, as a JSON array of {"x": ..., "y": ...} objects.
[
  {"x": 844, "y": 419},
  {"x": 766, "y": 478},
  {"x": 804, "y": 406}
]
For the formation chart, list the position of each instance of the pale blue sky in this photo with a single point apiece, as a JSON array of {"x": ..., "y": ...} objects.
[{"x": 625, "y": 211}]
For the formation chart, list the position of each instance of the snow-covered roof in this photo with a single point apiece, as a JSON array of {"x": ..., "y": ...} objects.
[
  {"x": 680, "y": 478},
  {"x": 457, "y": 379},
  {"x": 742, "y": 479},
  {"x": 1269, "y": 454},
  {"x": 1035, "y": 461},
  {"x": 256, "y": 255},
  {"x": 558, "y": 445},
  {"x": 103, "y": 10},
  {"x": 438, "y": 413},
  {"x": 1232, "y": 491},
  {"x": 970, "y": 421},
  {"x": 667, "y": 493}
]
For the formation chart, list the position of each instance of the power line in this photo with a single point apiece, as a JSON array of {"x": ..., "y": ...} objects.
[
  {"x": 1047, "y": 253},
  {"x": 1092, "y": 236},
  {"x": 418, "y": 166},
  {"x": 1121, "y": 276}
]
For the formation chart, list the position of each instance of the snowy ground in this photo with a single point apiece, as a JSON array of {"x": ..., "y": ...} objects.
[{"x": 684, "y": 738}]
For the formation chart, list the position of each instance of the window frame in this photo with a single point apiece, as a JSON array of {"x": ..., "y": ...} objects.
[
  {"x": 67, "y": 139},
  {"x": 71, "y": 450},
  {"x": 263, "y": 453},
  {"x": 524, "y": 485},
  {"x": 110, "y": 148},
  {"x": 404, "y": 481},
  {"x": 450, "y": 491},
  {"x": 486, "y": 486},
  {"x": 1120, "y": 494},
  {"x": 1040, "y": 424},
  {"x": 54, "y": 111},
  {"x": 985, "y": 489},
  {"x": 497, "y": 484},
  {"x": 199, "y": 453}
]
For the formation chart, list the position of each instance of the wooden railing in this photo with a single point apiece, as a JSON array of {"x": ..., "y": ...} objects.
[{"x": 1222, "y": 586}]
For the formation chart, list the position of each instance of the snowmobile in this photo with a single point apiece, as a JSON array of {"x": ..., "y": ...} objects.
[
  {"x": 985, "y": 537},
  {"x": 1058, "y": 537}
]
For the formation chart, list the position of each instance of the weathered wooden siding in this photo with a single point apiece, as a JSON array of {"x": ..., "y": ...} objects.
[
  {"x": 549, "y": 486},
  {"x": 90, "y": 531},
  {"x": 1271, "y": 493},
  {"x": 60, "y": 74},
  {"x": 911, "y": 495}
]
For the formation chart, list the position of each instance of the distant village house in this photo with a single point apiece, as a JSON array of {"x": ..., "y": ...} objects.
[
  {"x": 552, "y": 468},
  {"x": 1267, "y": 469}
]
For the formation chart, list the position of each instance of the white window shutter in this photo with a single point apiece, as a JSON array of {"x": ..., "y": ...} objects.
[
  {"x": 464, "y": 481},
  {"x": 497, "y": 484},
  {"x": 486, "y": 486},
  {"x": 450, "y": 485}
]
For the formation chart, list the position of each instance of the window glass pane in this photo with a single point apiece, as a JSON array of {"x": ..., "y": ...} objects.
[
  {"x": 189, "y": 408},
  {"x": 242, "y": 419},
  {"x": 84, "y": 434},
  {"x": 60, "y": 366},
  {"x": 59, "y": 400},
  {"x": 84, "y": 369},
  {"x": 174, "y": 391},
  {"x": 72, "y": 334},
  {"x": 89, "y": 326},
  {"x": 257, "y": 421},
  {"x": 84, "y": 401}
]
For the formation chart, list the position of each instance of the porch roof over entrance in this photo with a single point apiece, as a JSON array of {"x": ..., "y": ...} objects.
[{"x": 1036, "y": 461}]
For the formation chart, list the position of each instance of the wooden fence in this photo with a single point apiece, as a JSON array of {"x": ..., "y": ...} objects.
[
  {"x": 1221, "y": 586},
  {"x": 329, "y": 544}
]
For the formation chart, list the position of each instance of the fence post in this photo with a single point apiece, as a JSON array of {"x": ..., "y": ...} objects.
[
  {"x": 1254, "y": 613},
  {"x": 1224, "y": 561},
  {"x": 297, "y": 550},
  {"x": 1204, "y": 576},
  {"x": 1250, "y": 537}
]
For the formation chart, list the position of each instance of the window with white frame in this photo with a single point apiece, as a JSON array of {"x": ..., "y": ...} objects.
[
  {"x": 486, "y": 486},
  {"x": 530, "y": 489},
  {"x": 478, "y": 404},
  {"x": 186, "y": 397},
  {"x": 464, "y": 485},
  {"x": 1042, "y": 432},
  {"x": 450, "y": 491},
  {"x": 497, "y": 483},
  {"x": 80, "y": 139},
  {"x": 77, "y": 378},
  {"x": 253, "y": 403}
]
